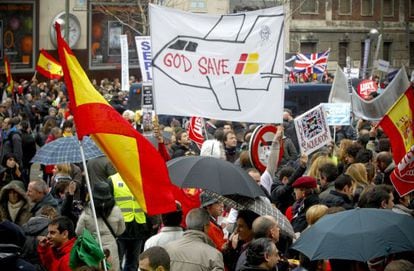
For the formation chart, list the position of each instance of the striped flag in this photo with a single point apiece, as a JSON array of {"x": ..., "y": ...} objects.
[
  {"x": 136, "y": 160},
  {"x": 398, "y": 125},
  {"x": 48, "y": 66},
  {"x": 311, "y": 63},
  {"x": 9, "y": 78}
]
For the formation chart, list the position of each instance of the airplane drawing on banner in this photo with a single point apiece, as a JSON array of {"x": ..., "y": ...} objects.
[{"x": 198, "y": 61}]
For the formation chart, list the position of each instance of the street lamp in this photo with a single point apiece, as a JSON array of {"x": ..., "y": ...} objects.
[{"x": 375, "y": 35}]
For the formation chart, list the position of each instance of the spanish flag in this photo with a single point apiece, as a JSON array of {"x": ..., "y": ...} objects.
[
  {"x": 398, "y": 125},
  {"x": 137, "y": 161},
  {"x": 10, "y": 82},
  {"x": 48, "y": 66}
]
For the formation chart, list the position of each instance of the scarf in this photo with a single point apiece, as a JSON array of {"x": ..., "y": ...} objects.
[{"x": 14, "y": 209}]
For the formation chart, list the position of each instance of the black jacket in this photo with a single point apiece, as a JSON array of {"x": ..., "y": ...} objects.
[
  {"x": 299, "y": 222},
  {"x": 337, "y": 199},
  {"x": 282, "y": 193}
]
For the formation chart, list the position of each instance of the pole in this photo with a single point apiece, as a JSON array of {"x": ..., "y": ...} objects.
[
  {"x": 88, "y": 184},
  {"x": 67, "y": 21}
]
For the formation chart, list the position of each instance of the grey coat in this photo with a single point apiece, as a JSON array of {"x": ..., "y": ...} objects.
[{"x": 194, "y": 252}]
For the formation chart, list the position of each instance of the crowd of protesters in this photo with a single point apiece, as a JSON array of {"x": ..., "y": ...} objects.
[{"x": 42, "y": 217}]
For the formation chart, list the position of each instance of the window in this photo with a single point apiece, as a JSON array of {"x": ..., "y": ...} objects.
[
  {"x": 386, "y": 50},
  {"x": 104, "y": 32},
  {"x": 388, "y": 8},
  {"x": 198, "y": 4},
  {"x": 308, "y": 47},
  {"x": 412, "y": 53},
  {"x": 18, "y": 34},
  {"x": 411, "y": 8},
  {"x": 367, "y": 7},
  {"x": 345, "y": 7},
  {"x": 342, "y": 53},
  {"x": 309, "y": 6}
]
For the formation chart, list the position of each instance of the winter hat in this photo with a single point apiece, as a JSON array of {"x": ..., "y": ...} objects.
[
  {"x": 207, "y": 200},
  {"x": 305, "y": 182},
  {"x": 102, "y": 191}
]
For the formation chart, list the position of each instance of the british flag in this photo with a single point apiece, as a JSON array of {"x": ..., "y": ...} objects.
[{"x": 311, "y": 63}]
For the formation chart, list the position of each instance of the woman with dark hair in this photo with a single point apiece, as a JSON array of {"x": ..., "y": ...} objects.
[
  {"x": 110, "y": 221},
  {"x": 9, "y": 170},
  {"x": 240, "y": 239}
]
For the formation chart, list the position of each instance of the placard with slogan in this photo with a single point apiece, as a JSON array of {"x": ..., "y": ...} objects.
[
  {"x": 143, "y": 44},
  {"x": 337, "y": 113},
  {"x": 312, "y": 130},
  {"x": 227, "y": 67}
]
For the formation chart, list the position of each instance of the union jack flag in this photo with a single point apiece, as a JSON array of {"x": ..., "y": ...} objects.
[{"x": 311, "y": 63}]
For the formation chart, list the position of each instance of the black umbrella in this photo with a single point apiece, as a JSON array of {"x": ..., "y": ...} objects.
[
  {"x": 212, "y": 174},
  {"x": 359, "y": 234}
]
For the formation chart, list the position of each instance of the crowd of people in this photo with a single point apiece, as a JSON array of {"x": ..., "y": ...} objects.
[{"x": 43, "y": 217}]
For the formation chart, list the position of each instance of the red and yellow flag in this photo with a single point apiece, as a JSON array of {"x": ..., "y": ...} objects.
[
  {"x": 10, "y": 82},
  {"x": 398, "y": 125},
  {"x": 48, "y": 66},
  {"x": 137, "y": 161}
]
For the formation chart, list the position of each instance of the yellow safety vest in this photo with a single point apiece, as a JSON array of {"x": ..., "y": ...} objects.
[{"x": 126, "y": 202}]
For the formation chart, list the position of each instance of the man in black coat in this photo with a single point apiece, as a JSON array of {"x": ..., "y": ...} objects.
[{"x": 341, "y": 196}]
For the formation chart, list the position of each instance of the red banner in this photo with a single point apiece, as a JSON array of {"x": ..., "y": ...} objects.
[{"x": 195, "y": 131}]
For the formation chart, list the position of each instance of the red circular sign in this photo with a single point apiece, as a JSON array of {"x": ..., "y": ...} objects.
[
  {"x": 259, "y": 146},
  {"x": 366, "y": 87}
]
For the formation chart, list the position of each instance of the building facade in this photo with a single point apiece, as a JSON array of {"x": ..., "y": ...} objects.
[{"x": 314, "y": 26}]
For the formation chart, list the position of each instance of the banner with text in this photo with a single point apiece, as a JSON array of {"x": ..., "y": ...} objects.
[
  {"x": 143, "y": 44},
  {"x": 337, "y": 113},
  {"x": 124, "y": 63},
  {"x": 227, "y": 67}
]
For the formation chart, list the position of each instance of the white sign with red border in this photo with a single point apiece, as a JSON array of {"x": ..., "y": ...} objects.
[{"x": 259, "y": 146}]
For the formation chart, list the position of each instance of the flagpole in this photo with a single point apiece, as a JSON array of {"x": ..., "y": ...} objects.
[
  {"x": 88, "y": 184},
  {"x": 204, "y": 128}
]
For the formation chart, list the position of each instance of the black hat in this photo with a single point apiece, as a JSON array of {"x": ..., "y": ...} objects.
[{"x": 102, "y": 191}]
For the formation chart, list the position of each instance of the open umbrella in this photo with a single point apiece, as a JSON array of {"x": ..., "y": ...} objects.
[
  {"x": 212, "y": 174},
  {"x": 66, "y": 150},
  {"x": 359, "y": 234},
  {"x": 259, "y": 206}
]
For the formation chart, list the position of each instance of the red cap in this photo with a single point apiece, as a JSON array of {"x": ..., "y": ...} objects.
[{"x": 305, "y": 182}]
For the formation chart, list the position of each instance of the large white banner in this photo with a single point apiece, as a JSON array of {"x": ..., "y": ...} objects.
[
  {"x": 227, "y": 67},
  {"x": 312, "y": 130},
  {"x": 143, "y": 44}
]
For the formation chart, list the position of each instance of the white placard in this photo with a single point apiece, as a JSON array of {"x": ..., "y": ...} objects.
[
  {"x": 143, "y": 44},
  {"x": 383, "y": 65},
  {"x": 124, "y": 63},
  {"x": 312, "y": 130},
  {"x": 337, "y": 113}
]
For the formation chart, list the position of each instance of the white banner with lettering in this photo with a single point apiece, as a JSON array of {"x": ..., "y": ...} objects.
[
  {"x": 143, "y": 44},
  {"x": 124, "y": 63},
  {"x": 312, "y": 130},
  {"x": 227, "y": 67}
]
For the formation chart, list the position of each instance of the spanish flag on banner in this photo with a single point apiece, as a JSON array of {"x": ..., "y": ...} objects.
[
  {"x": 48, "y": 66},
  {"x": 10, "y": 82},
  {"x": 398, "y": 125},
  {"x": 137, "y": 161}
]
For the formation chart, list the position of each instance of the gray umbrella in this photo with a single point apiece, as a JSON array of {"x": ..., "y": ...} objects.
[
  {"x": 66, "y": 150},
  {"x": 260, "y": 206},
  {"x": 359, "y": 235}
]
